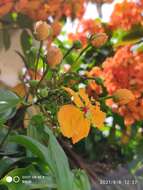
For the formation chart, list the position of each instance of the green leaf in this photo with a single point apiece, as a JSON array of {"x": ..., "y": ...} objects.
[
  {"x": 5, "y": 164},
  {"x": 81, "y": 180},
  {"x": 31, "y": 144},
  {"x": 8, "y": 100},
  {"x": 6, "y": 39},
  {"x": 24, "y": 21},
  {"x": 137, "y": 47},
  {"x": 26, "y": 41},
  {"x": 1, "y": 40},
  {"x": 60, "y": 163},
  {"x": 8, "y": 114},
  {"x": 75, "y": 66},
  {"x": 36, "y": 127},
  {"x": 135, "y": 33},
  {"x": 121, "y": 37}
]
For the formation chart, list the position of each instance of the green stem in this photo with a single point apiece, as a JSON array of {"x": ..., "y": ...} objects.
[
  {"x": 96, "y": 79},
  {"x": 37, "y": 60},
  {"x": 68, "y": 52},
  {"x": 111, "y": 138},
  {"x": 82, "y": 52},
  {"x": 41, "y": 80},
  {"x": 105, "y": 98}
]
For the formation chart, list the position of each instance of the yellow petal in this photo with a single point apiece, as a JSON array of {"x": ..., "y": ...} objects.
[
  {"x": 76, "y": 99},
  {"x": 19, "y": 89},
  {"x": 84, "y": 96},
  {"x": 82, "y": 130},
  {"x": 72, "y": 122},
  {"x": 98, "y": 117}
]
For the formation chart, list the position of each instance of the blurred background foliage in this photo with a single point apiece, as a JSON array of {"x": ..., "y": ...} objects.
[{"x": 27, "y": 146}]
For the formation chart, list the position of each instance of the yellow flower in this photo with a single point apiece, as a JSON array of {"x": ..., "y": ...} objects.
[
  {"x": 123, "y": 96},
  {"x": 75, "y": 120}
]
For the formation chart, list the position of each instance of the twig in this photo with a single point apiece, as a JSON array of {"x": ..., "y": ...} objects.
[
  {"x": 68, "y": 52},
  {"x": 82, "y": 52},
  {"x": 38, "y": 57}
]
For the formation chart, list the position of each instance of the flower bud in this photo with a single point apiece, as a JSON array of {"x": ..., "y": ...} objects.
[
  {"x": 42, "y": 30},
  {"x": 99, "y": 39},
  {"x": 54, "y": 56},
  {"x": 44, "y": 92},
  {"x": 33, "y": 83},
  {"x": 56, "y": 28},
  {"x": 77, "y": 44},
  {"x": 123, "y": 96}
]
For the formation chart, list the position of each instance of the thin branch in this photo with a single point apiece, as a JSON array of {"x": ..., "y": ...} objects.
[{"x": 38, "y": 57}]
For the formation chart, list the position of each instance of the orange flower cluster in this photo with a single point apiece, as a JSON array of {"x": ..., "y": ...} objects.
[
  {"x": 74, "y": 8},
  {"x": 85, "y": 29},
  {"x": 5, "y": 7},
  {"x": 42, "y": 9},
  {"x": 38, "y": 9},
  {"x": 101, "y": 1},
  {"x": 125, "y": 71},
  {"x": 125, "y": 15}
]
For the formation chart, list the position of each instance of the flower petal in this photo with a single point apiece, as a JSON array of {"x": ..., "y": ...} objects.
[
  {"x": 72, "y": 123},
  {"x": 98, "y": 117},
  {"x": 76, "y": 99},
  {"x": 82, "y": 130},
  {"x": 82, "y": 93}
]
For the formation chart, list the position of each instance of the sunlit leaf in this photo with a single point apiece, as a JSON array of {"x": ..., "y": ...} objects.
[{"x": 8, "y": 100}]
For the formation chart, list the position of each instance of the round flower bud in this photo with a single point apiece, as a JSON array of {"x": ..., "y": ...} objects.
[
  {"x": 56, "y": 28},
  {"x": 99, "y": 39},
  {"x": 42, "y": 30},
  {"x": 77, "y": 44},
  {"x": 54, "y": 56},
  {"x": 33, "y": 83},
  {"x": 44, "y": 93},
  {"x": 123, "y": 96}
]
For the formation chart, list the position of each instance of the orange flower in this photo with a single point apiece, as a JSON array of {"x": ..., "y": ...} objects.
[
  {"x": 87, "y": 28},
  {"x": 123, "y": 96},
  {"x": 5, "y": 8},
  {"x": 56, "y": 28},
  {"x": 122, "y": 14},
  {"x": 125, "y": 71},
  {"x": 75, "y": 120},
  {"x": 94, "y": 89}
]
